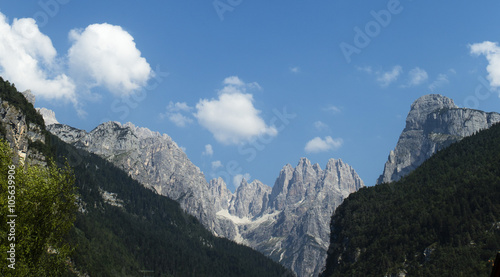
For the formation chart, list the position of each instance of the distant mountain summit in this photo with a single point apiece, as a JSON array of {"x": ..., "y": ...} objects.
[
  {"x": 289, "y": 222},
  {"x": 433, "y": 123},
  {"x": 152, "y": 159}
]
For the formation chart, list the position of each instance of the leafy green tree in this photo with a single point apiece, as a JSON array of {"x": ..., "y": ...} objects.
[{"x": 45, "y": 209}]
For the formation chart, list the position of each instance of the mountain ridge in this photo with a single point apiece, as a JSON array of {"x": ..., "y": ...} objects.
[
  {"x": 433, "y": 123},
  {"x": 243, "y": 216}
]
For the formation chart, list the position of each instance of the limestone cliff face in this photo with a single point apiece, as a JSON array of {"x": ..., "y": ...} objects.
[
  {"x": 18, "y": 132},
  {"x": 250, "y": 199},
  {"x": 290, "y": 222},
  {"x": 434, "y": 122},
  {"x": 152, "y": 159}
]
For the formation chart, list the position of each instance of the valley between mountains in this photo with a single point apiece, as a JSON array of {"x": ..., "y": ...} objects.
[{"x": 289, "y": 221}]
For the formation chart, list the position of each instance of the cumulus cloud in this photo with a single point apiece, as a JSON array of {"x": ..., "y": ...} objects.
[
  {"x": 209, "y": 151},
  {"x": 417, "y": 76},
  {"x": 106, "y": 55},
  {"x": 491, "y": 51},
  {"x": 388, "y": 77},
  {"x": 28, "y": 59},
  {"x": 232, "y": 117},
  {"x": 238, "y": 178},
  {"x": 318, "y": 144},
  {"x": 174, "y": 114}
]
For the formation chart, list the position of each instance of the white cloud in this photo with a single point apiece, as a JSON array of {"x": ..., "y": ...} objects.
[
  {"x": 366, "y": 69},
  {"x": 179, "y": 120},
  {"x": 233, "y": 81},
  {"x": 183, "y": 149},
  {"x": 106, "y": 55},
  {"x": 28, "y": 59},
  {"x": 320, "y": 126},
  {"x": 174, "y": 114},
  {"x": 492, "y": 52},
  {"x": 388, "y": 77},
  {"x": 178, "y": 106},
  {"x": 333, "y": 109},
  {"x": 318, "y": 144},
  {"x": 441, "y": 80},
  {"x": 216, "y": 164},
  {"x": 209, "y": 151},
  {"x": 295, "y": 69},
  {"x": 238, "y": 178},
  {"x": 232, "y": 118},
  {"x": 417, "y": 76}
]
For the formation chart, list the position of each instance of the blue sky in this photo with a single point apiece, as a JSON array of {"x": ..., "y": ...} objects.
[{"x": 249, "y": 86}]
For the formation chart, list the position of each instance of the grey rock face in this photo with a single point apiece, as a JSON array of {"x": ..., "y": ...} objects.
[
  {"x": 49, "y": 117},
  {"x": 18, "y": 133},
  {"x": 434, "y": 122},
  {"x": 152, "y": 159},
  {"x": 290, "y": 222},
  {"x": 250, "y": 199}
]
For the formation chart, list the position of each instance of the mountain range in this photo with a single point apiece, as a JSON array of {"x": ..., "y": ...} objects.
[
  {"x": 121, "y": 227},
  {"x": 288, "y": 222}
]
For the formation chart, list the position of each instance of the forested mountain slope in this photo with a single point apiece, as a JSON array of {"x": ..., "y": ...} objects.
[
  {"x": 441, "y": 220},
  {"x": 124, "y": 227}
]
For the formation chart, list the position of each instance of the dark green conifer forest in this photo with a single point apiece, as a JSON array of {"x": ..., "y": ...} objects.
[{"x": 441, "y": 220}]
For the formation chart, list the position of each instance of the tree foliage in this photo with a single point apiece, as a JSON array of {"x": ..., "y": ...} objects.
[
  {"x": 441, "y": 220},
  {"x": 45, "y": 210},
  {"x": 144, "y": 230}
]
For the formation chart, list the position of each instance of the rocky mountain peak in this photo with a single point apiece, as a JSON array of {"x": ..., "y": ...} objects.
[
  {"x": 424, "y": 106},
  {"x": 289, "y": 222},
  {"x": 434, "y": 122},
  {"x": 250, "y": 200},
  {"x": 49, "y": 117}
]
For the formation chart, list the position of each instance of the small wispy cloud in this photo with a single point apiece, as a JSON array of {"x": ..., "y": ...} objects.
[
  {"x": 441, "y": 80},
  {"x": 320, "y": 126},
  {"x": 216, "y": 164},
  {"x": 317, "y": 144},
  {"x": 174, "y": 114},
  {"x": 295, "y": 69},
  {"x": 209, "y": 151},
  {"x": 366, "y": 69},
  {"x": 388, "y": 77},
  {"x": 416, "y": 77},
  {"x": 333, "y": 109}
]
